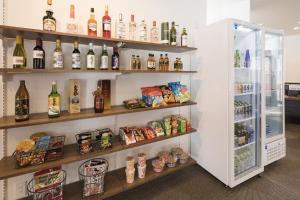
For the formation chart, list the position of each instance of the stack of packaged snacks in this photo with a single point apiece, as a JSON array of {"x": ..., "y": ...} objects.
[
  {"x": 103, "y": 138},
  {"x": 148, "y": 133},
  {"x": 157, "y": 127},
  {"x": 130, "y": 170},
  {"x": 127, "y": 135},
  {"x": 180, "y": 91},
  {"x": 55, "y": 148},
  {"x": 92, "y": 174},
  {"x": 167, "y": 94},
  {"x": 84, "y": 141},
  {"x": 135, "y": 103},
  {"x": 153, "y": 96},
  {"x": 47, "y": 184},
  {"x": 141, "y": 165}
]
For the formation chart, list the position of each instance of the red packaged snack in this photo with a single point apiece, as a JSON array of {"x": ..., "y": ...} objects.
[
  {"x": 148, "y": 133},
  {"x": 167, "y": 94},
  {"x": 153, "y": 96},
  {"x": 127, "y": 135},
  {"x": 138, "y": 135}
]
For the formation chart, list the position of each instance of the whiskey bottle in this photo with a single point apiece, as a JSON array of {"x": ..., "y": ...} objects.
[
  {"x": 49, "y": 22},
  {"x": 132, "y": 29},
  {"x": 120, "y": 28},
  {"x": 92, "y": 24},
  {"x": 138, "y": 63},
  {"x": 184, "y": 38},
  {"x": 19, "y": 55},
  {"x": 161, "y": 63},
  {"x": 173, "y": 35},
  {"x": 154, "y": 33},
  {"x": 165, "y": 36},
  {"x": 58, "y": 58},
  {"x": 22, "y": 103},
  {"x": 133, "y": 62},
  {"x": 98, "y": 100},
  {"x": 104, "y": 58},
  {"x": 166, "y": 63},
  {"x": 143, "y": 31},
  {"x": 76, "y": 56},
  {"x": 72, "y": 26},
  {"x": 54, "y": 102},
  {"x": 115, "y": 59},
  {"x": 90, "y": 58},
  {"x": 38, "y": 55},
  {"x": 106, "y": 24}
]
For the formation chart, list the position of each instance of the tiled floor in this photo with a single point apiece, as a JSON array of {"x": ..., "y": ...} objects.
[{"x": 280, "y": 181}]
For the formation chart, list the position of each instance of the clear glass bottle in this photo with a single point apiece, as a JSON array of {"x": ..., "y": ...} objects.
[
  {"x": 90, "y": 58},
  {"x": 120, "y": 28},
  {"x": 76, "y": 61},
  {"x": 173, "y": 35},
  {"x": 143, "y": 31},
  {"x": 19, "y": 55},
  {"x": 132, "y": 29},
  {"x": 54, "y": 102},
  {"x": 58, "y": 58},
  {"x": 92, "y": 24},
  {"x": 72, "y": 26},
  {"x": 154, "y": 33},
  {"x": 104, "y": 58},
  {"x": 151, "y": 63},
  {"x": 22, "y": 103},
  {"x": 184, "y": 38},
  {"x": 49, "y": 22},
  {"x": 133, "y": 62},
  {"x": 106, "y": 24}
]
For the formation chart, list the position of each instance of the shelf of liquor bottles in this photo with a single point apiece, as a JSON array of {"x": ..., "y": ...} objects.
[
  {"x": 42, "y": 118},
  {"x": 32, "y": 34},
  {"x": 71, "y": 154},
  {"x": 11, "y": 71}
]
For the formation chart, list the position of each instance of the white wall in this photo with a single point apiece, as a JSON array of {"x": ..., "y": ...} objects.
[
  {"x": 292, "y": 58},
  {"x": 124, "y": 87},
  {"x": 222, "y": 9}
]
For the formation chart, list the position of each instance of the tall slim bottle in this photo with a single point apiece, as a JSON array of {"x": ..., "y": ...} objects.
[
  {"x": 143, "y": 31},
  {"x": 132, "y": 29},
  {"x": 115, "y": 59},
  {"x": 90, "y": 58},
  {"x": 54, "y": 102},
  {"x": 120, "y": 28},
  {"x": 76, "y": 61},
  {"x": 38, "y": 55},
  {"x": 72, "y": 26},
  {"x": 173, "y": 35},
  {"x": 154, "y": 35},
  {"x": 58, "y": 58},
  {"x": 92, "y": 24},
  {"x": 19, "y": 55},
  {"x": 104, "y": 58},
  {"x": 22, "y": 103},
  {"x": 106, "y": 24}
]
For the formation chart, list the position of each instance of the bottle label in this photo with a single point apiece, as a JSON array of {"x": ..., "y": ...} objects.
[
  {"x": 92, "y": 27},
  {"x": 18, "y": 60},
  {"x": 104, "y": 62},
  {"x": 53, "y": 106},
  {"x": 58, "y": 60},
  {"x": 106, "y": 25},
  {"x": 115, "y": 62},
  {"x": 49, "y": 25},
  {"x": 71, "y": 28},
  {"x": 90, "y": 61},
  {"x": 22, "y": 107},
  {"x": 76, "y": 60},
  {"x": 120, "y": 30},
  {"x": 184, "y": 40},
  {"x": 38, "y": 54},
  {"x": 143, "y": 33}
]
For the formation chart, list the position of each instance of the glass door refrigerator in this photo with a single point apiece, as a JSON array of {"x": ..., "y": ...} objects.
[
  {"x": 229, "y": 141},
  {"x": 274, "y": 131}
]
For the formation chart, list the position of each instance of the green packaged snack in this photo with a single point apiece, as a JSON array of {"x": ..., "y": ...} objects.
[{"x": 182, "y": 125}]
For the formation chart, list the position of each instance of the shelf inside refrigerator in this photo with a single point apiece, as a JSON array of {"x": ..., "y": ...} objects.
[
  {"x": 244, "y": 94},
  {"x": 243, "y": 146},
  {"x": 245, "y": 159},
  {"x": 244, "y": 119}
]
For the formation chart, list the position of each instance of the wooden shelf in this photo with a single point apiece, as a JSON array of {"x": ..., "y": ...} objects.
[
  {"x": 8, "y": 168},
  {"x": 42, "y": 118},
  {"x": 11, "y": 71},
  {"x": 32, "y": 34},
  {"x": 115, "y": 182}
]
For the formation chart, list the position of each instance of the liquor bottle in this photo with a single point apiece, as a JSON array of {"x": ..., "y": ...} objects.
[
  {"x": 22, "y": 103},
  {"x": 72, "y": 26},
  {"x": 92, "y": 24},
  {"x": 237, "y": 59},
  {"x": 247, "y": 63},
  {"x": 154, "y": 33},
  {"x": 19, "y": 55},
  {"x": 167, "y": 62},
  {"x": 106, "y": 24},
  {"x": 58, "y": 57},
  {"x": 104, "y": 58},
  {"x": 105, "y": 86},
  {"x": 54, "y": 102},
  {"x": 115, "y": 59},
  {"x": 76, "y": 56},
  {"x": 49, "y": 22},
  {"x": 173, "y": 35},
  {"x": 161, "y": 62},
  {"x": 184, "y": 38},
  {"x": 132, "y": 29},
  {"x": 150, "y": 63},
  {"x": 133, "y": 62},
  {"x": 120, "y": 28},
  {"x": 98, "y": 100},
  {"x": 38, "y": 55},
  {"x": 138, "y": 62},
  {"x": 90, "y": 58},
  {"x": 143, "y": 31},
  {"x": 165, "y": 36}
]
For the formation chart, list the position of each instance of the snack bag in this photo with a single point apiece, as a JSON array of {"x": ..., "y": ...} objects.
[
  {"x": 180, "y": 91},
  {"x": 167, "y": 94},
  {"x": 135, "y": 103},
  {"x": 157, "y": 127},
  {"x": 148, "y": 133},
  {"x": 153, "y": 96}
]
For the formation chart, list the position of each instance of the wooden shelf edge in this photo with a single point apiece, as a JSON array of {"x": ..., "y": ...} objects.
[
  {"x": 115, "y": 182},
  {"x": 7, "y": 164},
  {"x": 8, "y": 122}
]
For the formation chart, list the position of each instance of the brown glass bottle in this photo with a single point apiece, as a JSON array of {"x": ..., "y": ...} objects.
[
  {"x": 22, "y": 103},
  {"x": 98, "y": 100}
]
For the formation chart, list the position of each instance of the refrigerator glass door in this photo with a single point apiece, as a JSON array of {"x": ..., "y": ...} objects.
[
  {"x": 274, "y": 84},
  {"x": 247, "y": 99}
]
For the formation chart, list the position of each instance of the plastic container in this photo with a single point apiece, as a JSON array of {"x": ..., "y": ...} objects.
[{"x": 130, "y": 175}]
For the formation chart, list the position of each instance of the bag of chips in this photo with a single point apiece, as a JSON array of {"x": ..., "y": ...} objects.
[{"x": 180, "y": 91}]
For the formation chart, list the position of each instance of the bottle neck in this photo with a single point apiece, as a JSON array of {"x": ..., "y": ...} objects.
[{"x": 54, "y": 89}]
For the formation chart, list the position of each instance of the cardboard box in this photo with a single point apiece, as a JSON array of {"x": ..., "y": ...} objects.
[{"x": 74, "y": 96}]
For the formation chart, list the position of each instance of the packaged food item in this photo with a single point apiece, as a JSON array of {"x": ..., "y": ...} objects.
[
  {"x": 157, "y": 127},
  {"x": 158, "y": 165},
  {"x": 84, "y": 141},
  {"x": 74, "y": 96},
  {"x": 153, "y": 96},
  {"x": 35, "y": 137},
  {"x": 148, "y": 133},
  {"x": 105, "y": 85},
  {"x": 104, "y": 137},
  {"x": 138, "y": 134},
  {"x": 180, "y": 91},
  {"x": 141, "y": 160},
  {"x": 127, "y": 135},
  {"x": 142, "y": 171},
  {"x": 171, "y": 161},
  {"x": 174, "y": 124},
  {"x": 167, "y": 94},
  {"x": 42, "y": 143},
  {"x": 56, "y": 142},
  {"x": 177, "y": 151},
  {"x": 181, "y": 125},
  {"x": 54, "y": 154},
  {"x": 130, "y": 162},
  {"x": 135, "y": 103},
  {"x": 48, "y": 178},
  {"x": 163, "y": 156},
  {"x": 167, "y": 126},
  {"x": 130, "y": 175},
  {"x": 183, "y": 157},
  {"x": 25, "y": 145}
]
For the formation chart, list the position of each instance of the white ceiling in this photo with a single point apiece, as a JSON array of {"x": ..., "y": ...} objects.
[{"x": 279, "y": 14}]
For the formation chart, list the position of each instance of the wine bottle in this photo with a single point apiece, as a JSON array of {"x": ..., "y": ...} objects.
[
  {"x": 54, "y": 102},
  {"x": 90, "y": 58},
  {"x": 58, "y": 58},
  {"x": 19, "y": 55},
  {"x": 173, "y": 35},
  {"x": 38, "y": 55},
  {"x": 49, "y": 22},
  {"x": 115, "y": 59},
  {"x": 22, "y": 103},
  {"x": 98, "y": 100},
  {"x": 76, "y": 56},
  {"x": 184, "y": 38},
  {"x": 104, "y": 58}
]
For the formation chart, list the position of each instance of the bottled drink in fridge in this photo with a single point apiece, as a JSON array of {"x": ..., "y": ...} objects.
[
  {"x": 237, "y": 59},
  {"x": 22, "y": 103},
  {"x": 38, "y": 55},
  {"x": 184, "y": 38},
  {"x": 247, "y": 59},
  {"x": 54, "y": 102},
  {"x": 165, "y": 36},
  {"x": 19, "y": 55}
]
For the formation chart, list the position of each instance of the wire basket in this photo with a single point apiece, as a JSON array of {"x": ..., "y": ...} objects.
[
  {"x": 54, "y": 192},
  {"x": 93, "y": 176}
]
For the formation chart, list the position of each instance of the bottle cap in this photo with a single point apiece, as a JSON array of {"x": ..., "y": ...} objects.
[
  {"x": 154, "y": 23},
  {"x": 72, "y": 11},
  {"x": 53, "y": 82},
  {"x": 92, "y": 10},
  {"x": 132, "y": 18},
  {"x": 39, "y": 42}
]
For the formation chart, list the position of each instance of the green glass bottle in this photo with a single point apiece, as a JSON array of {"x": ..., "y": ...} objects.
[
  {"x": 173, "y": 35},
  {"x": 54, "y": 102},
  {"x": 19, "y": 55}
]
